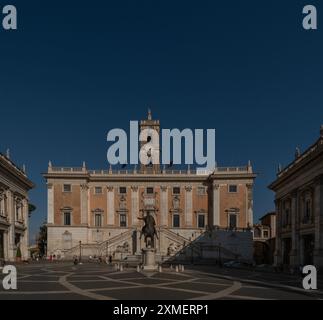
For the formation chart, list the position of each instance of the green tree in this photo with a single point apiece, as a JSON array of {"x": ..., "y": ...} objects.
[
  {"x": 42, "y": 240},
  {"x": 18, "y": 254},
  {"x": 31, "y": 208}
]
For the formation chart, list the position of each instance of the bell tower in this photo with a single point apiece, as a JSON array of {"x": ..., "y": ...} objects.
[{"x": 149, "y": 124}]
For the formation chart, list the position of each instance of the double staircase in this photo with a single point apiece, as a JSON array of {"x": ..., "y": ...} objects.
[
  {"x": 202, "y": 249},
  {"x": 100, "y": 249}
]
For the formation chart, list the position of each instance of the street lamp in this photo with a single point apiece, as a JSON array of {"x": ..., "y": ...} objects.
[
  {"x": 107, "y": 248},
  {"x": 97, "y": 243},
  {"x": 80, "y": 256},
  {"x": 220, "y": 262}
]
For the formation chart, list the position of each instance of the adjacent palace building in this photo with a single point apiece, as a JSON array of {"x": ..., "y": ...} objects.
[
  {"x": 299, "y": 207},
  {"x": 14, "y": 187},
  {"x": 95, "y": 212}
]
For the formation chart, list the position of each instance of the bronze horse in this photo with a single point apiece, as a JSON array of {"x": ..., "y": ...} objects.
[{"x": 149, "y": 230}]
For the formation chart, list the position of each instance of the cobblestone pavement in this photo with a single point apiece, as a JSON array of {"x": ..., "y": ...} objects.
[{"x": 99, "y": 281}]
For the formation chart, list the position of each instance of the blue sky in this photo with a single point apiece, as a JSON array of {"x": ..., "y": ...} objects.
[{"x": 74, "y": 70}]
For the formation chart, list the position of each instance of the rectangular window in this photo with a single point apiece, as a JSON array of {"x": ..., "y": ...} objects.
[
  {"x": 1, "y": 244},
  {"x": 67, "y": 218},
  {"x": 122, "y": 190},
  {"x": 266, "y": 234},
  {"x": 176, "y": 221},
  {"x": 17, "y": 213},
  {"x": 232, "y": 221},
  {"x": 201, "y": 221},
  {"x": 176, "y": 190},
  {"x": 201, "y": 191},
  {"x": 150, "y": 190},
  {"x": 233, "y": 188},
  {"x": 308, "y": 209},
  {"x": 286, "y": 218},
  {"x": 3, "y": 205},
  {"x": 67, "y": 188},
  {"x": 98, "y": 190},
  {"x": 17, "y": 238},
  {"x": 123, "y": 220},
  {"x": 98, "y": 220}
]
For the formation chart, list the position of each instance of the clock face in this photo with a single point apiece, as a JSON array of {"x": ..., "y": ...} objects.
[{"x": 147, "y": 153}]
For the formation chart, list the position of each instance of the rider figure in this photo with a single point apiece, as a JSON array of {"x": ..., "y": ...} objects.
[{"x": 148, "y": 229}]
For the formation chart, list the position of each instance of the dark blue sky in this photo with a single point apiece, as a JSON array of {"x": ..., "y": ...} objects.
[{"x": 75, "y": 69}]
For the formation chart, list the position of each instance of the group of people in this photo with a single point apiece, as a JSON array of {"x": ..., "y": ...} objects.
[{"x": 108, "y": 259}]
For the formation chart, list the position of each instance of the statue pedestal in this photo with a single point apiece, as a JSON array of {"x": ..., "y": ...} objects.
[{"x": 149, "y": 259}]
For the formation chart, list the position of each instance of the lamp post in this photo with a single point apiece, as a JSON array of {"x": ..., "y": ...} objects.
[
  {"x": 220, "y": 262},
  {"x": 97, "y": 243},
  {"x": 80, "y": 256},
  {"x": 107, "y": 244},
  {"x": 192, "y": 253}
]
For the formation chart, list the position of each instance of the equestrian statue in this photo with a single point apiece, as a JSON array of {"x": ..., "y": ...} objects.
[{"x": 148, "y": 230}]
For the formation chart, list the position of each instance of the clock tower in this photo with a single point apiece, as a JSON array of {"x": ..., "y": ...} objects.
[{"x": 149, "y": 124}]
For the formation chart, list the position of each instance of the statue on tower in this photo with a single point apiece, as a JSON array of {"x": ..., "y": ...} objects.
[{"x": 149, "y": 114}]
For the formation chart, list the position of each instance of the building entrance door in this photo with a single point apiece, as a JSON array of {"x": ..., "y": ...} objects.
[
  {"x": 308, "y": 249},
  {"x": 287, "y": 249},
  {"x": 1, "y": 244}
]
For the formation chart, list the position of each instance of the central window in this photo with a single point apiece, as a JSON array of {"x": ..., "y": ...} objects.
[
  {"x": 150, "y": 190},
  {"x": 67, "y": 188},
  {"x": 176, "y": 221},
  {"x": 308, "y": 209},
  {"x": 98, "y": 190},
  {"x": 123, "y": 220},
  {"x": 176, "y": 190},
  {"x": 201, "y": 221},
  {"x": 122, "y": 190},
  {"x": 232, "y": 220},
  {"x": 67, "y": 218},
  {"x": 233, "y": 188},
  {"x": 98, "y": 220},
  {"x": 201, "y": 191},
  {"x": 286, "y": 220}
]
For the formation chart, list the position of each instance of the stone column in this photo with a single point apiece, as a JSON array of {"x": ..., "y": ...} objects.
[
  {"x": 110, "y": 206},
  {"x": 278, "y": 248},
  {"x": 163, "y": 206},
  {"x": 188, "y": 206},
  {"x": 6, "y": 246},
  {"x": 25, "y": 240},
  {"x": 249, "y": 204},
  {"x": 318, "y": 222},
  {"x": 84, "y": 204},
  {"x": 138, "y": 249},
  {"x": 134, "y": 205},
  {"x": 50, "y": 203},
  {"x": 294, "y": 254},
  {"x": 216, "y": 205},
  {"x": 11, "y": 233},
  {"x": 301, "y": 251}
]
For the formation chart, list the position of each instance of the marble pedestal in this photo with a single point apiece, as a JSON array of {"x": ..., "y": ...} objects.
[{"x": 149, "y": 259}]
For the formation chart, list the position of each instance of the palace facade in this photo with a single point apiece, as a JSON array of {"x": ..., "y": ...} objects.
[
  {"x": 299, "y": 208},
  {"x": 95, "y": 212},
  {"x": 14, "y": 187}
]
